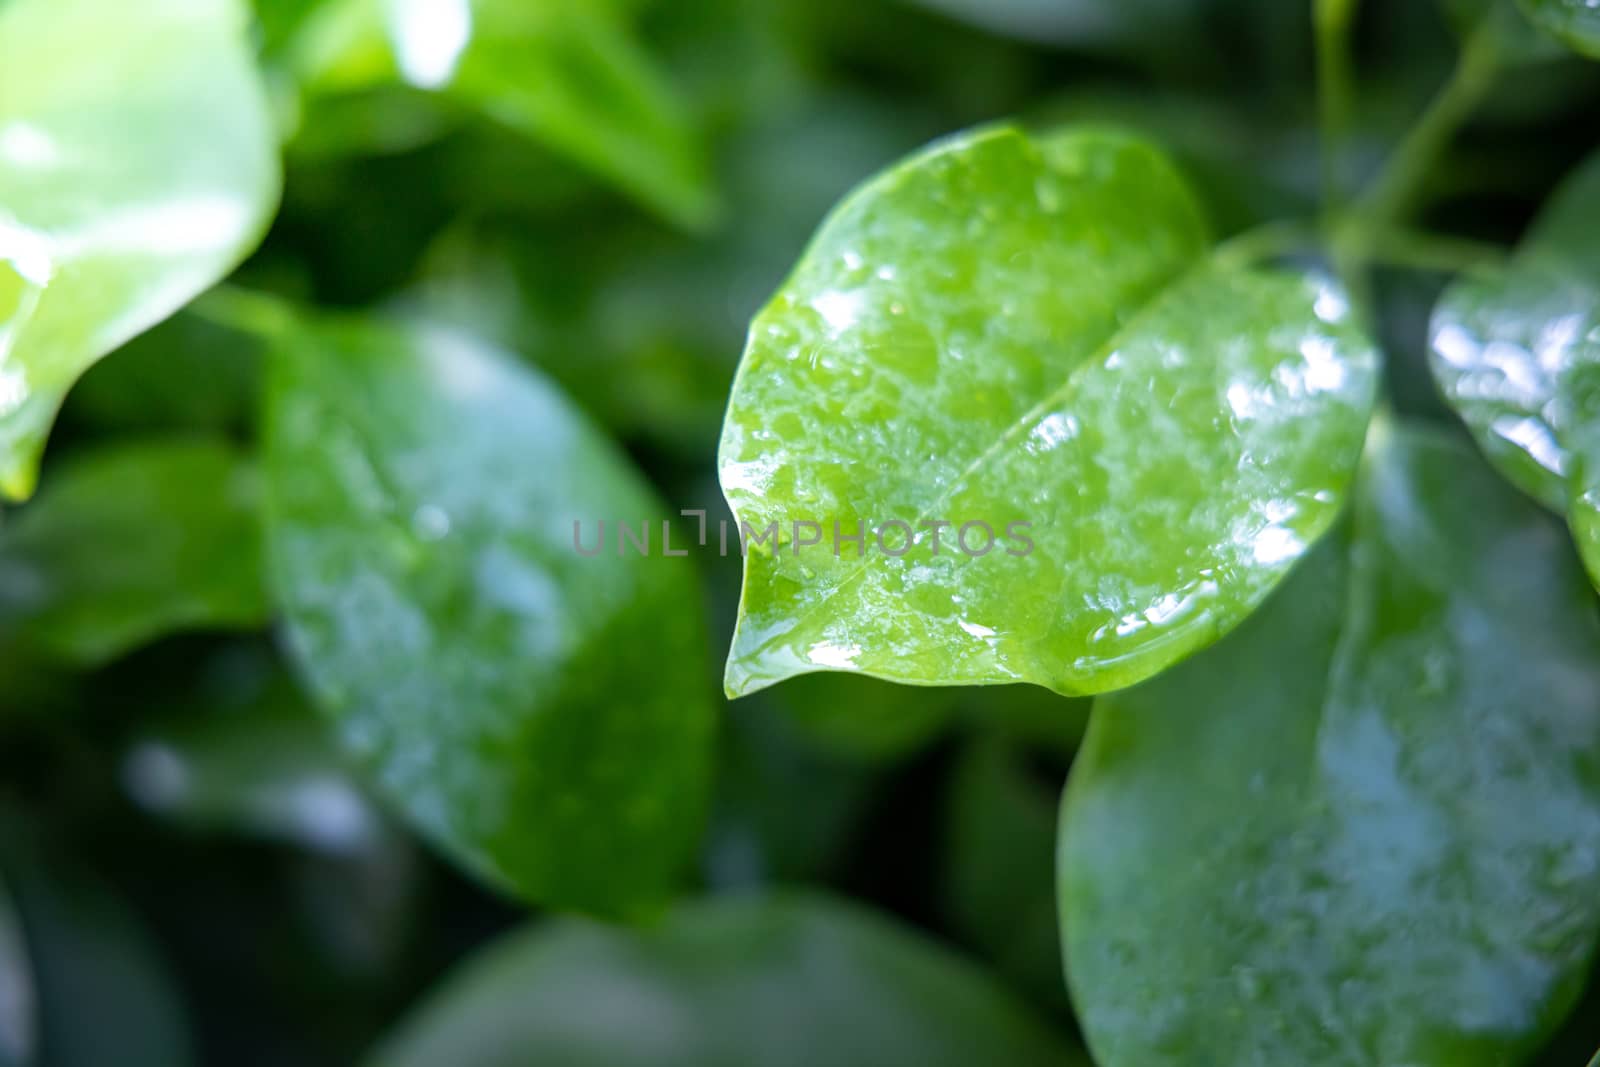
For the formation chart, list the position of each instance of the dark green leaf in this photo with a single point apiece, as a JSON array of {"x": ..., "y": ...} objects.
[
  {"x": 252, "y": 757},
  {"x": 1009, "y": 330},
  {"x": 1517, "y": 353},
  {"x": 539, "y": 714},
  {"x": 999, "y": 850},
  {"x": 568, "y": 74},
  {"x": 137, "y": 167},
  {"x": 128, "y": 544},
  {"x": 1365, "y": 828},
  {"x": 102, "y": 993},
  {"x": 18, "y": 1013},
  {"x": 755, "y": 981},
  {"x": 1575, "y": 22}
]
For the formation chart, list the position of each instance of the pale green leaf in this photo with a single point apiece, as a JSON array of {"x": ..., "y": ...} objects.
[
  {"x": 539, "y": 714},
  {"x": 755, "y": 981},
  {"x": 129, "y": 544},
  {"x": 1516, "y": 352},
  {"x": 137, "y": 167},
  {"x": 1008, "y": 330},
  {"x": 1363, "y": 829}
]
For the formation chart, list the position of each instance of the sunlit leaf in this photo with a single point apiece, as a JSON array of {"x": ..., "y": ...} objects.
[
  {"x": 758, "y": 981},
  {"x": 1517, "y": 353},
  {"x": 128, "y": 544},
  {"x": 137, "y": 167},
  {"x": 568, "y": 74},
  {"x": 1363, "y": 828},
  {"x": 538, "y": 713},
  {"x": 1131, "y": 438}
]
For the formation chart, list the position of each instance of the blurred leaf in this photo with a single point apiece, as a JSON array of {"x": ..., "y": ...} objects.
[
  {"x": 760, "y": 836},
  {"x": 130, "y": 543},
  {"x": 749, "y": 980},
  {"x": 989, "y": 321},
  {"x": 186, "y": 372},
  {"x": 999, "y": 866},
  {"x": 537, "y": 713},
  {"x": 137, "y": 167},
  {"x": 568, "y": 74},
  {"x": 253, "y": 758},
  {"x": 1361, "y": 830},
  {"x": 865, "y": 718},
  {"x": 1517, "y": 353},
  {"x": 1068, "y": 21},
  {"x": 1517, "y": 41},
  {"x": 103, "y": 995},
  {"x": 18, "y": 1012},
  {"x": 1574, "y": 22}
]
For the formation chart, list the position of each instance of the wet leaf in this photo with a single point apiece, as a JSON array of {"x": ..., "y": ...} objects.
[
  {"x": 1006, "y": 330},
  {"x": 1574, "y": 22},
  {"x": 539, "y": 714},
  {"x": 137, "y": 167},
  {"x": 570, "y": 75},
  {"x": 1517, "y": 353},
  {"x": 758, "y": 981},
  {"x": 1363, "y": 828},
  {"x": 131, "y": 543}
]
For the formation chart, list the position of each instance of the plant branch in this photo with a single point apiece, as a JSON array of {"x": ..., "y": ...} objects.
[{"x": 1333, "y": 20}]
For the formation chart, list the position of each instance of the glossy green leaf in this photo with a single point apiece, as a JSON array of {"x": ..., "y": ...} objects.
[
  {"x": 1517, "y": 352},
  {"x": 1574, "y": 22},
  {"x": 538, "y": 713},
  {"x": 1010, "y": 330},
  {"x": 757, "y": 981},
  {"x": 137, "y": 167},
  {"x": 128, "y": 544},
  {"x": 567, "y": 74},
  {"x": 1366, "y": 827}
]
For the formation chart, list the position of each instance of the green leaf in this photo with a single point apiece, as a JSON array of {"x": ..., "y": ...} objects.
[
  {"x": 756, "y": 981},
  {"x": 128, "y": 544},
  {"x": 1014, "y": 330},
  {"x": 1574, "y": 22},
  {"x": 1517, "y": 352},
  {"x": 18, "y": 1011},
  {"x": 137, "y": 167},
  {"x": 248, "y": 755},
  {"x": 1363, "y": 829},
  {"x": 102, "y": 993},
  {"x": 999, "y": 862},
  {"x": 567, "y": 74},
  {"x": 539, "y": 714}
]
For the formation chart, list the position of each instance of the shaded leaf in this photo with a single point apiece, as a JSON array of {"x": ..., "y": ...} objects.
[
  {"x": 999, "y": 862},
  {"x": 137, "y": 167},
  {"x": 102, "y": 993},
  {"x": 750, "y": 980},
  {"x": 18, "y": 1012},
  {"x": 1008, "y": 330},
  {"x": 131, "y": 543},
  {"x": 537, "y": 713},
  {"x": 1517, "y": 352},
  {"x": 1574, "y": 22},
  {"x": 567, "y": 74},
  {"x": 1363, "y": 828}
]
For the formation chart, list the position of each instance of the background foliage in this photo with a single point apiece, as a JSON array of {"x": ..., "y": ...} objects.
[{"x": 297, "y": 572}]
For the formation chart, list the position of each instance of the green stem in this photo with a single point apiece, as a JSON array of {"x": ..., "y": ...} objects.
[
  {"x": 1444, "y": 254},
  {"x": 1333, "y": 20},
  {"x": 1393, "y": 194}
]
